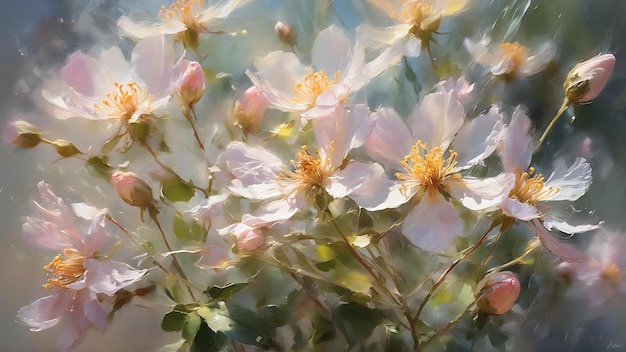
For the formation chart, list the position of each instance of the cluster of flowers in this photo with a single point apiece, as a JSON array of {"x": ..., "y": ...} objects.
[{"x": 294, "y": 170}]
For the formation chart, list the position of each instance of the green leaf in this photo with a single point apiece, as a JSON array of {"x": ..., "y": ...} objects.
[
  {"x": 110, "y": 144},
  {"x": 224, "y": 292},
  {"x": 207, "y": 340},
  {"x": 173, "y": 321},
  {"x": 356, "y": 321},
  {"x": 238, "y": 323},
  {"x": 177, "y": 190},
  {"x": 191, "y": 326},
  {"x": 188, "y": 230},
  {"x": 98, "y": 166}
]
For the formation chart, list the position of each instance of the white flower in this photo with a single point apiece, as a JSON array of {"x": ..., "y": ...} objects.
[
  {"x": 261, "y": 175},
  {"x": 76, "y": 276},
  {"x": 429, "y": 170},
  {"x": 525, "y": 199},
  {"x": 106, "y": 87},
  {"x": 510, "y": 59},
  {"x": 337, "y": 70}
]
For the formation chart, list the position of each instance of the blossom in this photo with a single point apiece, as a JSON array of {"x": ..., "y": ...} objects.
[
  {"x": 76, "y": 277},
  {"x": 429, "y": 171},
  {"x": 510, "y": 59},
  {"x": 588, "y": 78},
  {"x": 192, "y": 83},
  {"x": 497, "y": 292},
  {"x": 106, "y": 87},
  {"x": 416, "y": 21},
  {"x": 186, "y": 19},
  {"x": 261, "y": 175},
  {"x": 132, "y": 189},
  {"x": 526, "y": 197},
  {"x": 335, "y": 73}
]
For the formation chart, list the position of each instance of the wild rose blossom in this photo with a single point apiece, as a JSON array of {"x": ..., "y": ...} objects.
[
  {"x": 497, "y": 292},
  {"x": 76, "y": 277},
  {"x": 588, "y": 78}
]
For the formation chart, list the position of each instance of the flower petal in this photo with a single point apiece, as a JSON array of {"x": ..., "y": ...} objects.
[
  {"x": 255, "y": 170},
  {"x": 109, "y": 277},
  {"x": 390, "y": 140},
  {"x": 344, "y": 182},
  {"x": 551, "y": 222},
  {"x": 479, "y": 138},
  {"x": 331, "y": 40},
  {"x": 378, "y": 192},
  {"x": 44, "y": 313},
  {"x": 518, "y": 210},
  {"x": 572, "y": 181},
  {"x": 153, "y": 61},
  {"x": 516, "y": 150},
  {"x": 437, "y": 119},
  {"x": 565, "y": 251}
]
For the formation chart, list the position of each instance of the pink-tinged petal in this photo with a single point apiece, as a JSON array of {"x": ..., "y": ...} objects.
[
  {"x": 463, "y": 90},
  {"x": 208, "y": 208},
  {"x": 44, "y": 313},
  {"x": 331, "y": 40},
  {"x": 344, "y": 182},
  {"x": 153, "y": 61},
  {"x": 326, "y": 105},
  {"x": 537, "y": 62},
  {"x": 516, "y": 150},
  {"x": 378, "y": 192},
  {"x": 219, "y": 11},
  {"x": 143, "y": 29},
  {"x": 433, "y": 224},
  {"x": 281, "y": 70},
  {"x": 371, "y": 37},
  {"x": 390, "y": 140},
  {"x": 482, "y": 193},
  {"x": 109, "y": 277},
  {"x": 96, "y": 314},
  {"x": 255, "y": 170},
  {"x": 44, "y": 234},
  {"x": 553, "y": 223},
  {"x": 437, "y": 119},
  {"x": 572, "y": 181},
  {"x": 519, "y": 210},
  {"x": 479, "y": 138},
  {"x": 275, "y": 211},
  {"x": 77, "y": 325},
  {"x": 95, "y": 237},
  {"x": 78, "y": 73},
  {"x": 565, "y": 251}
]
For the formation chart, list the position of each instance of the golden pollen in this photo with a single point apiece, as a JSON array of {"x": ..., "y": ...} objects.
[
  {"x": 124, "y": 101},
  {"x": 429, "y": 169},
  {"x": 312, "y": 86},
  {"x": 416, "y": 11},
  {"x": 612, "y": 274},
  {"x": 65, "y": 271},
  {"x": 531, "y": 189},
  {"x": 516, "y": 52},
  {"x": 184, "y": 11},
  {"x": 309, "y": 171}
]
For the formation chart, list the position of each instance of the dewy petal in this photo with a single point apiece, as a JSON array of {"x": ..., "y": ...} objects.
[
  {"x": 77, "y": 73},
  {"x": 255, "y": 170},
  {"x": 437, "y": 119},
  {"x": 479, "y": 138},
  {"x": 551, "y": 222},
  {"x": 343, "y": 182},
  {"x": 518, "y": 210},
  {"x": 482, "y": 193},
  {"x": 275, "y": 211},
  {"x": 142, "y": 29},
  {"x": 378, "y": 192},
  {"x": 390, "y": 140},
  {"x": 44, "y": 313},
  {"x": 109, "y": 277},
  {"x": 153, "y": 61},
  {"x": 572, "y": 181},
  {"x": 433, "y": 224},
  {"x": 516, "y": 150},
  {"x": 565, "y": 251},
  {"x": 331, "y": 51}
]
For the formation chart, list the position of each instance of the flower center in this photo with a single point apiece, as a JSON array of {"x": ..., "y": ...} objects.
[
  {"x": 612, "y": 274},
  {"x": 184, "y": 11},
  {"x": 531, "y": 189},
  {"x": 124, "y": 101},
  {"x": 312, "y": 86},
  {"x": 65, "y": 271},
  {"x": 429, "y": 169},
  {"x": 309, "y": 171},
  {"x": 417, "y": 11},
  {"x": 516, "y": 52}
]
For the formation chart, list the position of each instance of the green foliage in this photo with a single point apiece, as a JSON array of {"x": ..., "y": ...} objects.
[
  {"x": 177, "y": 190},
  {"x": 356, "y": 321},
  {"x": 188, "y": 231}
]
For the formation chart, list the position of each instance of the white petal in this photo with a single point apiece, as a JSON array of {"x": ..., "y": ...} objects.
[
  {"x": 480, "y": 194},
  {"x": 390, "y": 140},
  {"x": 538, "y": 61},
  {"x": 378, "y": 192},
  {"x": 146, "y": 29},
  {"x": 282, "y": 70},
  {"x": 343, "y": 182},
  {"x": 433, "y": 224},
  {"x": 331, "y": 51},
  {"x": 44, "y": 313},
  {"x": 96, "y": 314},
  {"x": 109, "y": 277},
  {"x": 437, "y": 119},
  {"x": 255, "y": 170},
  {"x": 275, "y": 211},
  {"x": 572, "y": 181},
  {"x": 518, "y": 210},
  {"x": 551, "y": 222},
  {"x": 565, "y": 251},
  {"x": 371, "y": 37},
  {"x": 516, "y": 150},
  {"x": 153, "y": 61},
  {"x": 479, "y": 138}
]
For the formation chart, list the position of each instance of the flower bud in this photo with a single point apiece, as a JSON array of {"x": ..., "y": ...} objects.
[
  {"x": 132, "y": 189},
  {"x": 192, "y": 83},
  {"x": 497, "y": 292},
  {"x": 285, "y": 33},
  {"x": 21, "y": 134},
  {"x": 587, "y": 79},
  {"x": 250, "y": 109},
  {"x": 64, "y": 148},
  {"x": 250, "y": 240}
]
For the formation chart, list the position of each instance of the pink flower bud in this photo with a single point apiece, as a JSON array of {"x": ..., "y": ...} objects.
[
  {"x": 192, "y": 83},
  {"x": 132, "y": 189},
  {"x": 251, "y": 240},
  {"x": 285, "y": 33},
  {"x": 21, "y": 134},
  {"x": 587, "y": 79},
  {"x": 497, "y": 292},
  {"x": 250, "y": 109}
]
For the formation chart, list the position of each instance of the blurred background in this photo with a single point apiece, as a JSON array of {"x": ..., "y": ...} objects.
[{"x": 36, "y": 35}]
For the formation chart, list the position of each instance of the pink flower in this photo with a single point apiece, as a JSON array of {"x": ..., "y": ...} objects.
[
  {"x": 250, "y": 109},
  {"x": 132, "y": 189},
  {"x": 588, "y": 78},
  {"x": 192, "y": 85},
  {"x": 497, "y": 292},
  {"x": 77, "y": 278}
]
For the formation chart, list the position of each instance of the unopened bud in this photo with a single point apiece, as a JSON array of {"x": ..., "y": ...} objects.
[
  {"x": 250, "y": 109},
  {"x": 285, "y": 33},
  {"x": 64, "y": 148},
  {"x": 497, "y": 292},
  {"x": 251, "y": 240},
  {"x": 588, "y": 78},
  {"x": 132, "y": 189},
  {"x": 192, "y": 84},
  {"x": 21, "y": 134}
]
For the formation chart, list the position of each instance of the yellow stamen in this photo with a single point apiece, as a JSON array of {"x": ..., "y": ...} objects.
[
  {"x": 124, "y": 101},
  {"x": 516, "y": 52},
  {"x": 312, "y": 86},
  {"x": 531, "y": 189},
  {"x": 64, "y": 272},
  {"x": 309, "y": 171},
  {"x": 428, "y": 169},
  {"x": 612, "y": 274},
  {"x": 184, "y": 11}
]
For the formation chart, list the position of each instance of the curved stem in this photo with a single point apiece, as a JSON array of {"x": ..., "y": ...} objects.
[
  {"x": 554, "y": 120},
  {"x": 190, "y": 117},
  {"x": 493, "y": 246},
  {"x": 172, "y": 172}
]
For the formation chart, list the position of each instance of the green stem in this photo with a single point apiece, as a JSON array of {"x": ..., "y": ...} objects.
[
  {"x": 554, "y": 120},
  {"x": 190, "y": 115}
]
